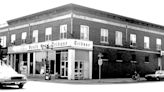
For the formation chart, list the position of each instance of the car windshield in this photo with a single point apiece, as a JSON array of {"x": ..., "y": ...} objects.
[
  {"x": 159, "y": 72},
  {"x": 6, "y": 69}
]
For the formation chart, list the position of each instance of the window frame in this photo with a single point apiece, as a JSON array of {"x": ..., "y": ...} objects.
[
  {"x": 133, "y": 40},
  {"x": 158, "y": 46},
  {"x": 104, "y": 35},
  {"x": 24, "y": 37},
  {"x": 3, "y": 41},
  {"x": 48, "y": 34},
  {"x": 84, "y": 32},
  {"x": 146, "y": 41},
  {"x": 63, "y": 31},
  {"x": 13, "y": 38},
  {"x": 35, "y": 36},
  {"x": 119, "y": 38}
]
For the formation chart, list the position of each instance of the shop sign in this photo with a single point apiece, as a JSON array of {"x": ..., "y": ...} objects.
[
  {"x": 82, "y": 44},
  {"x": 62, "y": 43},
  {"x": 17, "y": 49},
  {"x": 73, "y": 43}
]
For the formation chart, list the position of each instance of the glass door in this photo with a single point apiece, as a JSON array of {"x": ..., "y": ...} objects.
[
  {"x": 64, "y": 64},
  {"x": 79, "y": 69}
]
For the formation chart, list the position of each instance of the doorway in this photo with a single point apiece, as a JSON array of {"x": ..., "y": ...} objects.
[
  {"x": 79, "y": 69},
  {"x": 17, "y": 64},
  {"x": 62, "y": 63}
]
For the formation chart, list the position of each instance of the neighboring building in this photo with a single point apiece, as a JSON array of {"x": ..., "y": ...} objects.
[{"x": 72, "y": 37}]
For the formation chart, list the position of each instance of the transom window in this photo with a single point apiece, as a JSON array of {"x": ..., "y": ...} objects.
[
  {"x": 63, "y": 31},
  {"x": 104, "y": 35},
  {"x": 84, "y": 32}
]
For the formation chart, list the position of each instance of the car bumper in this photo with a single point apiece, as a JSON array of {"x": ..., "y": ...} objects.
[{"x": 13, "y": 82}]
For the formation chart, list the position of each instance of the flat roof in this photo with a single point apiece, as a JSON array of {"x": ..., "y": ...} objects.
[{"x": 88, "y": 10}]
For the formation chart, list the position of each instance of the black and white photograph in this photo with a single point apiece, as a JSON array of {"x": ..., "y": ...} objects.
[{"x": 81, "y": 45}]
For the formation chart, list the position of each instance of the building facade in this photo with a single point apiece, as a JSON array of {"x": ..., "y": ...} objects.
[{"x": 71, "y": 39}]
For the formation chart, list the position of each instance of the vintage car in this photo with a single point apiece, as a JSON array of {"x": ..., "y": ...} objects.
[
  {"x": 9, "y": 76},
  {"x": 157, "y": 76}
]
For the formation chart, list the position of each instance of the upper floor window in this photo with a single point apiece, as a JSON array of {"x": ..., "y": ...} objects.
[
  {"x": 118, "y": 38},
  {"x": 13, "y": 38},
  {"x": 132, "y": 39},
  {"x": 3, "y": 41},
  {"x": 35, "y": 36},
  {"x": 63, "y": 31},
  {"x": 48, "y": 34},
  {"x": 104, "y": 36},
  {"x": 84, "y": 32},
  {"x": 158, "y": 44},
  {"x": 24, "y": 36},
  {"x": 146, "y": 42}
]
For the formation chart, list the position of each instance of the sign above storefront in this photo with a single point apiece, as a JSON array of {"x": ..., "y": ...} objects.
[{"x": 69, "y": 43}]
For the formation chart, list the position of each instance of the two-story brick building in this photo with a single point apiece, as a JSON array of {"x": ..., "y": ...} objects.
[{"x": 72, "y": 37}]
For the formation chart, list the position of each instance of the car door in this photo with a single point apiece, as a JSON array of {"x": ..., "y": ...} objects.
[{"x": 162, "y": 74}]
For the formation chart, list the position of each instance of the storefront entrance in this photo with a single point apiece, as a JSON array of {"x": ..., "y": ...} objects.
[
  {"x": 62, "y": 63},
  {"x": 68, "y": 59},
  {"x": 79, "y": 69}
]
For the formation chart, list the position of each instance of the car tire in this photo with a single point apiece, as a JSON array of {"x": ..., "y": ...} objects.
[{"x": 20, "y": 85}]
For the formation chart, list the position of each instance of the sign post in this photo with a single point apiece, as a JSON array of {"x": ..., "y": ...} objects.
[{"x": 100, "y": 62}]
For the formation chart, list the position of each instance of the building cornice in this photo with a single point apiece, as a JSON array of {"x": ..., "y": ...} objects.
[{"x": 78, "y": 16}]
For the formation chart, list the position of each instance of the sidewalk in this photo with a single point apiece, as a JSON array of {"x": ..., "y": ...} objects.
[{"x": 93, "y": 81}]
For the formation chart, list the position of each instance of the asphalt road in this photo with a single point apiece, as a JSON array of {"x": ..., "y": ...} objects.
[{"x": 42, "y": 86}]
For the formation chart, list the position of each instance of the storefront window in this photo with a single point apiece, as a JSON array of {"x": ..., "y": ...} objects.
[{"x": 39, "y": 62}]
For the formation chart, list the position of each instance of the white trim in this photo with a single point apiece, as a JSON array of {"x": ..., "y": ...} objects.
[
  {"x": 4, "y": 30},
  {"x": 119, "y": 48},
  {"x": 38, "y": 22},
  {"x": 71, "y": 15},
  {"x": 28, "y": 63},
  {"x": 90, "y": 64},
  {"x": 71, "y": 63},
  {"x": 34, "y": 63},
  {"x": 145, "y": 30},
  {"x": 52, "y": 19},
  {"x": 98, "y": 20},
  {"x": 18, "y": 27},
  {"x": 116, "y": 24}
]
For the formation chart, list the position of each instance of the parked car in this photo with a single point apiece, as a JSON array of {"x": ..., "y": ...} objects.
[
  {"x": 157, "y": 76},
  {"x": 9, "y": 76}
]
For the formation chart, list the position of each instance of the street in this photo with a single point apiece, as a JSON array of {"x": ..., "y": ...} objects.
[{"x": 43, "y": 86}]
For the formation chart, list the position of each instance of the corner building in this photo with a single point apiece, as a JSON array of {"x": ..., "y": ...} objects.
[{"x": 70, "y": 40}]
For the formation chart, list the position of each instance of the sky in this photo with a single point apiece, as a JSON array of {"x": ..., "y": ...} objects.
[{"x": 146, "y": 10}]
